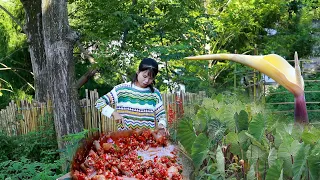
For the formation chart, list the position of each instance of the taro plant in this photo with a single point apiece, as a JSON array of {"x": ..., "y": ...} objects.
[
  {"x": 202, "y": 133},
  {"x": 257, "y": 145}
]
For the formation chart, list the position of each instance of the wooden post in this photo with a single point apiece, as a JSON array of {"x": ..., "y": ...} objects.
[{"x": 87, "y": 115}]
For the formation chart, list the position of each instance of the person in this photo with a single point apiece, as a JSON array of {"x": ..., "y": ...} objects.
[{"x": 138, "y": 104}]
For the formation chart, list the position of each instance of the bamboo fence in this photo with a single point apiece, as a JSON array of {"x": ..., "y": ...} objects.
[{"x": 23, "y": 117}]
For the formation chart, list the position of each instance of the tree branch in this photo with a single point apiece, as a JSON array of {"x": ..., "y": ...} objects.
[
  {"x": 91, "y": 72},
  {"x": 85, "y": 78},
  {"x": 85, "y": 53}
]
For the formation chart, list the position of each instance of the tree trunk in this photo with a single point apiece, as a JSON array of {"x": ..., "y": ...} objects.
[
  {"x": 59, "y": 40},
  {"x": 51, "y": 44},
  {"x": 33, "y": 30}
]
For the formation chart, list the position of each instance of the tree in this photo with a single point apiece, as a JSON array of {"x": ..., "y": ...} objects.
[{"x": 51, "y": 43}]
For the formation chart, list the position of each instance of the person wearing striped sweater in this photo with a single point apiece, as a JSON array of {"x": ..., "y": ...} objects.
[{"x": 137, "y": 104}]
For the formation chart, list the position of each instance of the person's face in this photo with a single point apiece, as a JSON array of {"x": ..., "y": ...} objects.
[{"x": 144, "y": 79}]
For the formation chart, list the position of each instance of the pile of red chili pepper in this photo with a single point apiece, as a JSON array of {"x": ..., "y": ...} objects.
[{"x": 115, "y": 156}]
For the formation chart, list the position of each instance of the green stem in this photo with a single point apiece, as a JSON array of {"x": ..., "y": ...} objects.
[{"x": 300, "y": 110}]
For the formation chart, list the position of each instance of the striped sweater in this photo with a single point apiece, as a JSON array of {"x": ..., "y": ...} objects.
[{"x": 139, "y": 107}]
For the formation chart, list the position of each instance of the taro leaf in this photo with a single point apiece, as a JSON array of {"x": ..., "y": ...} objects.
[
  {"x": 201, "y": 120},
  {"x": 186, "y": 135},
  {"x": 272, "y": 157},
  {"x": 251, "y": 174},
  {"x": 219, "y": 97},
  {"x": 310, "y": 136},
  {"x": 274, "y": 172},
  {"x": 216, "y": 130},
  {"x": 226, "y": 115},
  {"x": 281, "y": 175},
  {"x": 209, "y": 103},
  {"x": 257, "y": 127},
  {"x": 254, "y": 154},
  {"x": 289, "y": 128},
  {"x": 200, "y": 150},
  {"x": 297, "y": 131},
  {"x": 244, "y": 141},
  {"x": 287, "y": 152},
  {"x": 282, "y": 136},
  {"x": 233, "y": 140},
  {"x": 300, "y": 160},
  {"x": 255, "y": 142},
  {"x": 241, "y": 120},
  {"x": 220, "y": 162},
  {"x": 314, "y": 162}
]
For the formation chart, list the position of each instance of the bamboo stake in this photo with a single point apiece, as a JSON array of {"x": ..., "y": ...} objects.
[
  {"x": 93, "y": 117},
  {"x": 13, "y": 118},
  {"x": 97, "y": 113},
  {"x": 87, "y": 123}
]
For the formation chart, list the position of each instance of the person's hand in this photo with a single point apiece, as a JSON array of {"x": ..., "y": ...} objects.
[{"x": 117, "y": 117}]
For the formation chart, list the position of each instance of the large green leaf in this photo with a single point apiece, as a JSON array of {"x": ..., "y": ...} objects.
[
  {"x": 281, "y": 175},
  {"x": 309, "y": 138},
  {"x": 310, "y": 135},
  {"x": 233, "y": 140},
  {"x": 244, "y": 143},
  {"x": 287, "y": 152},
  {"x": 185, "y": 134},
  {"x": 239, "y": 143},
  {"x": 251, "y": 174},
  {"x": 255, "y": 142},
  {"x": 282, "y": 135},
  {"x": 226, "y": 115},
  {"x": 314, "y": 162},
  {"x": 272, "y": 157},
  {"x": 241, "y": 120},
  {"x": 257, "y": 127},
  {"x": 220, "y": 162},
  {"x": 216, "y": 130},
  {"x": 201, "y": 120},
  {"x": 200, "y": 150},
  {"x": 274, "y": 172},
  {"x": 254, "y": 153},
  {"x": 300, "y": 160}
]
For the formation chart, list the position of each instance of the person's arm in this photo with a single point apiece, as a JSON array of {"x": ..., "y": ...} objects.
[
  {"x": 104, "y": 102},
  {"x": 160, "y": 114}
]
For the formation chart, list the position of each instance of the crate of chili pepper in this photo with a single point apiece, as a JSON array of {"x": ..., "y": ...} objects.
[{"x": 128, "y": 155}]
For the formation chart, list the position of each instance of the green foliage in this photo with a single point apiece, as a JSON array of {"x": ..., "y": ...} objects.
[
  {"x": 269, "y": 147},
  {"x": 38, "y": 145},
  {"x": 211, "y": 126},
  {"x": 73, "y": 142},
  {"x": 120, "y": 33},
  {"x": 200, "y": 150},
  {"x": 313, "y": 161},
  {"x": 186, "y": 134},
  {"x": 15, "y": 64},
  {"x": 242, "y": 120},
  {"x": 257, "y": 127},
  {"x": 31, "y": 156},
  {"x": 27, "y": 169},
  {"x": 299, "y": 165},
  {"x": 275, "y": 171}
]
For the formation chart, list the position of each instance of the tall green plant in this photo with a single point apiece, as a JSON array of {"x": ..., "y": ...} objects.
[{"x": 260, "y": 146}]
